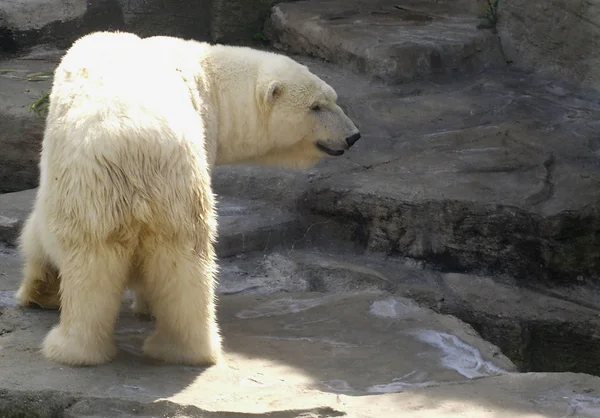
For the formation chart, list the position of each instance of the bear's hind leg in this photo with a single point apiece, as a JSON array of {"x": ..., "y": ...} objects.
[
  {"x": 40, "y": 284},
  {"x": 92, "y": 283},
  {"x": 180, "y": 285}
]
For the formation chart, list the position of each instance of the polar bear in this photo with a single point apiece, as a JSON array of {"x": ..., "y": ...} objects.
[{"x": 134, "y": 129}]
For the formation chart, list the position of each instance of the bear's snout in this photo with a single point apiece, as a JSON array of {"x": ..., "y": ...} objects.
[{"x": 351, "y": 140}]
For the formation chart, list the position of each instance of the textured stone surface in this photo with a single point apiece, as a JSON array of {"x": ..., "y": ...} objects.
[
  {"x": 391, "y": 41},
  {"x": 557, "y": 36}
]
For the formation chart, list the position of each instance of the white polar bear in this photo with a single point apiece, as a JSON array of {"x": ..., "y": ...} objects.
[{"x": 134, "y": 128}]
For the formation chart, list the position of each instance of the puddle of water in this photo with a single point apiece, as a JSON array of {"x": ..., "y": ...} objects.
[
  {"x": 7, "y": 298},
  {"x": 309, "y": 339},
  {"x": 459, "y": 356},
  {"x": 394, "y": 308},
  {"x": 230, "y": 209},
  {"x": 410, "y": 380},
  {"x": 281, "y": 307},
  {"x": 584, "y": 406},
  {"x": 578, "y": 405}
]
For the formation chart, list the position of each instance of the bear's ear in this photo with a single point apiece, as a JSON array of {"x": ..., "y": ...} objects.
[{"x": 273, "y": 92}]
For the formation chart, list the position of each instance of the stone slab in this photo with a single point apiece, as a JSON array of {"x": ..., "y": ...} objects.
[
  {"x": 559, "y": 37},
  {"x": 534, "y": 395},
  {"x": 243, "y": 225},
  {"x": 359, "y": 353},
  {"x": 25, "y": 23},
  {"x": 386, "y": 39}
]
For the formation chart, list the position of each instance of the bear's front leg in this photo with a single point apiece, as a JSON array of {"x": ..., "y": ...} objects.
[
  {"x": 92, "y": 282},
  {"x": 181, "y": 287}
]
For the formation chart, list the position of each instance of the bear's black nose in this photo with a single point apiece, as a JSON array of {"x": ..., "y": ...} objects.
[{"x": 352, "y": 139}]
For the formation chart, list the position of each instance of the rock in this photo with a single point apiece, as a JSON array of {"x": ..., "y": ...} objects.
[
  {"x": 390, "y": 42},
  {"x": 475, "y": 175},
  {"x": 243, "y": 225},
  {"x": 560, "y": 37},
  {"x": 26, "y": 23},
  {"x": 288, "y": 353}
]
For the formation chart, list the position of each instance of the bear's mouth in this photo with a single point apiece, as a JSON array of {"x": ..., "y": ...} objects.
[{"x": 329, "y": 151}]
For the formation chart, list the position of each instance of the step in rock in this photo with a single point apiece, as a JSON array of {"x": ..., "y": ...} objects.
[
  {"x": 360, "y": 353},
  {"x": 510, "y": 198},
  {"x": 243, "y": 225},
  {"x": 394, "y": 41}
]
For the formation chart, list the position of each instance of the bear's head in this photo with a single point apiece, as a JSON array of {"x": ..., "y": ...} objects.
[{"x": 302, "y": 118}]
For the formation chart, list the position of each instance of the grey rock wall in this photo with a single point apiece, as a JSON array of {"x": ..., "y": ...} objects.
[{"x": 24, "y": 23}]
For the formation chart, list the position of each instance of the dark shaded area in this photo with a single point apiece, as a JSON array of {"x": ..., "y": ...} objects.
[
  {"x": 483, "y": 239},
  {"x": 538, "y": 346},
  {"x": 7, "y": 42}
]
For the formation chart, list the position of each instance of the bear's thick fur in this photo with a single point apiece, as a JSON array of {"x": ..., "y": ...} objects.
[{"x": 134, "y": 128}]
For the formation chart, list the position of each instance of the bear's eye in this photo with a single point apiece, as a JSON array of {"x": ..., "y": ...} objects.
[{"x": 315, "y": 108}]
